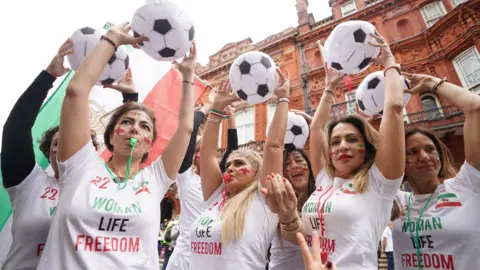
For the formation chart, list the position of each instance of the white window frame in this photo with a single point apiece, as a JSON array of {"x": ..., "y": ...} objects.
[
  {"x": 352, "y": 108},
  {"x": 271, "y": 107},
  {"x": 441, "y": 9},
  {"x": 437, "y": 102},
  {"x": 474, "y": 87},
  {"x": 456, "y": 3},
  {"x": 346, "y": 10},
  {"x": 242, "y": 117}
]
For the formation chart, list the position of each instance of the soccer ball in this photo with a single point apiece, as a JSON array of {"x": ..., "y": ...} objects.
[
  {"x": 370, "y": 94},
  {"x": 84, "y": 40},
  {"x": 168, "y": 27},
  {"x": 253, "y": 77},
  {"x": 115, "y": 68},
  {"x": 297, "y": 132},
  {"x": 347, "y": 48}
]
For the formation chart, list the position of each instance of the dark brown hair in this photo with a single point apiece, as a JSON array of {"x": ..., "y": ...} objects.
[
  {"x": 311, "y": 178},
  {"x": 118, "y": 113},
  {"x": 47, "y": 137},
  {"x": 447, "y": 169}
]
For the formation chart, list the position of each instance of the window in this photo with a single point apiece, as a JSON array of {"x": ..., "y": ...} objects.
[
  {"x": 348, "y": 8},
  {"x": 351, "y": 103},
  {"x": 433, "y": 12},
  {"x": 270, "y": 112},
  {"x": 245, "y": 125},
  {"x": 430, "y": 106},
  {"x": 467, "y": 65},
  {"x": 458, "y": 2}
]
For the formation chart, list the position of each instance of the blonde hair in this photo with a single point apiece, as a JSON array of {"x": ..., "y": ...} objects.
[
  {"x": 234, "y": 211},
  {"x": 371, "y": 138}
]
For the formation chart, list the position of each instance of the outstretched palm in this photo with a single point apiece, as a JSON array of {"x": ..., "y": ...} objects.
[{"x": 125, "y": 85}]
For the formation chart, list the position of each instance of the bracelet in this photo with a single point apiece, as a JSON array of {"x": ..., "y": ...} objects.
[
  {"x": 435, "y": 87},
  {"x": 292, "y": 227},
  {"x": 283, "y": 99},
  {"x": 396, "y": 66},
  {"x": 185, "y": 81},
  {"x": 329, "y": 91},
  {"x": 329, "y": 101},
  {"x": 216, "y": 121},
  {"x": 107, "y": 39},
  {"x": 219, "y": 114}
]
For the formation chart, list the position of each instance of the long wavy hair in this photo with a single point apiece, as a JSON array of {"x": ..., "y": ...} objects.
[{"x": 311, "y": 179}]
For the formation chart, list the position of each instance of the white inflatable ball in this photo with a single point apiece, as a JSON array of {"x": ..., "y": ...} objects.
[
  {"x": 297, "y": 132},
  {"x": 370, "y": 94},
  {"x": 116, "y": 67},
  {"x": 347, "y": 48},
  {"x": 168, "y": 27},
  {"x": 84, "y": 40},
  {"x": 253, "y": 77}
]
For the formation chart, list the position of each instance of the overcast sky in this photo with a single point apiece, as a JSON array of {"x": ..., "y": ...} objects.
[{"x": 34, "y": 29}]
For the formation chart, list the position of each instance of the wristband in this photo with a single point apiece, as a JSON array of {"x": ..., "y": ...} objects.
[
  {"x": 435, "y": 87},
  {"x": 133, "y": 97},
  {"x": 396, "y": 66},
  {"x": 107, "y": 39},
  {"x": 185, "y": 81},
  {"x": 283, "y": 99}
]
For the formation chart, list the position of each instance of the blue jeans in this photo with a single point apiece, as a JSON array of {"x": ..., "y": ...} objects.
[
  {"x": 389, "y": 260},
  {"x": 168, "y": 252}
]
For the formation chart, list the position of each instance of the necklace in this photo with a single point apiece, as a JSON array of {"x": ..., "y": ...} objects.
[{"x": 416, "y": 238}]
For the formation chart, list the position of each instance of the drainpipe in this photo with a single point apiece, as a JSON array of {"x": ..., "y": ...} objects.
[{"x": 304, "y": 79}]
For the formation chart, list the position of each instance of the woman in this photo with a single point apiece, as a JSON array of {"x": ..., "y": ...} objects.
[
  {"x": 33, "y": 193},
  {"x": 189, "y": 185},
  {"x": 297, "y": 169},
  {"x": 109, "y": 212},
  {"x": 438, "y": 228},
  {"x": 357, "y": 179},
  {"x": 237, "y": 228}
]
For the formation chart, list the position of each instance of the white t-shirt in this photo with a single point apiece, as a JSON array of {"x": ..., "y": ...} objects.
[
  {"x": 353, "y": 222},
  {"x": 34, "y": 201},
  {"x": 448, "y": 229},
  {"x": 247, "y": 253},
  {"x": 387, "y": 233},
  {"x": 290, "y": 258},
  {"x": 102, "y": 224},
  {"x": 192, "y": 205}
]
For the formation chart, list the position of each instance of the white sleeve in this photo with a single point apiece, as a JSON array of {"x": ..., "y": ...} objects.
[
  {"x": 321, "y": 176},
  {"x": 28, "y": 184},
  {"x": 467, "y": 178},
  {"x": 158, "y": 170},
  {"x": 78, "y": 161},
  {"x": 184, "y": 182},
  {"x": 385, "y": 188}
]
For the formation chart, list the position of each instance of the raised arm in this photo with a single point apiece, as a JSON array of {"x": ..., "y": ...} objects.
[
  {"x": 322, "y": 116},
  {"x": 462, "y": 98},
  {"x": 18, "y": 157},
  {"x": 74, "y": 121},
  {"x": 391, "y": 130},
  {"x": 232, "y": 137},
  {"x": 176, "y": 148},
  {"x": 210, "y": 173},
  {"x": 274, "y": 143},
  {"x": 198, "y": 119}
]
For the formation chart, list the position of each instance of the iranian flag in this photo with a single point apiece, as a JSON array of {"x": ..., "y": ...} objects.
[{"x": 159, "y": 87}]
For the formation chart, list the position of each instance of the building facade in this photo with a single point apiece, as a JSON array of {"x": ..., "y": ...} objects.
[{"x": 436, "y": 37}]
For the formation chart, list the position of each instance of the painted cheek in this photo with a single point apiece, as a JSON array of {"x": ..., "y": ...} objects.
[
  {"x": 226, "y": 178},
  {"x": 361, "y": 148},
  {"x": 147, "y": 140},
  {"x": 332, "y": 153},
  {"x": 120, "y": 131},
  {"x": 244, "y": 170}
]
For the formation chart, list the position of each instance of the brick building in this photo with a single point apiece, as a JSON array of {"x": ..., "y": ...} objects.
[{"x": 436, "y": 37}]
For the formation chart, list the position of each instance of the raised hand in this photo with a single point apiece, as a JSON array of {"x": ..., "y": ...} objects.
[
  {"x": 125, "y": 85},
  {"x": 303, "y": 114},
  {"x": 187, "y": 66},
  {"x": 385, "y": 58},
  {"x": 224, "y": 97},
  {"x": 420, "y": 83},
  {"x": 332, "y": 76},
  {"x": 230, "y": 109},
  {"x": 283, "y": 91},
  {"x": 120, "y": 36},
  {"x": 312, "y": 259},
  {"x": 280, "y": 197},
  {"x": 56, "y": 67}
]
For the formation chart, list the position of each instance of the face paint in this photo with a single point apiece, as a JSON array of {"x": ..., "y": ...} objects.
[
  {"x": 132, "y": 113},
  {"x": 361, "y": 147},
  {"x": 53, "y": 152},
  {"x": 147, "y": 140},
  {"x": 332, "y": 153},
  {"x": 119, "y": 131},
  {"x": 244, "y": 170},
  {"x": 226, "y": 178}
]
